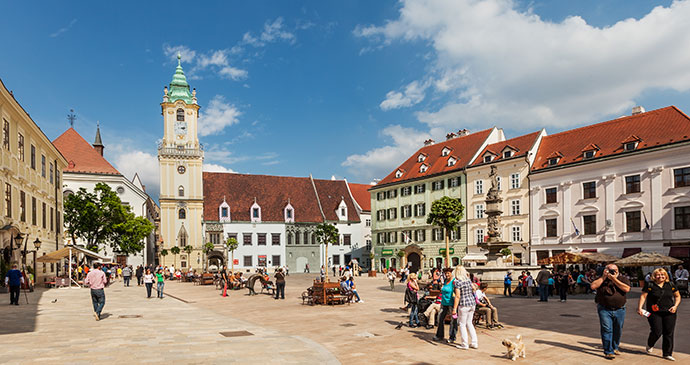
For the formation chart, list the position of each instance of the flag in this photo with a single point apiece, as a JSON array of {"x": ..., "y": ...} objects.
[
  {"x": 646, "y": 224},
  {"x": 407, "y": 237},
  {"x": 577, "y": 231}
]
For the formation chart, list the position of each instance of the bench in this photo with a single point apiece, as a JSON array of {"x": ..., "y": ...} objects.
[{"x": 206, "y": 279}]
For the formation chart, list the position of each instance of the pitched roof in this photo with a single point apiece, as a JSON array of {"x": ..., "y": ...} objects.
[
  {"x": 81, "y": 156},
  {"x": 520, "y": 145},
  {"x": 463, "y": 147},
  {"x": 272, "y": 194},
  {"x": 653, "y": 129},
  {"x": 361, "y": 195}
]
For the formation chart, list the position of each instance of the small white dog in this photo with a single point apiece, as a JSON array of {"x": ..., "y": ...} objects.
[{"x": 515, "y": 349}]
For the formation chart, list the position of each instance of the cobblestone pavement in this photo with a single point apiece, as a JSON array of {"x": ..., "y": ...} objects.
[{"x": 186, "y": 330}]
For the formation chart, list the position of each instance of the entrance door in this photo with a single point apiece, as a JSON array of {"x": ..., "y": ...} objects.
[
  {"x": 439, "y": 262},
  {"x": 383, "y": 264},
  {"x": 348, "y": 258},
  {"x": 414, "y": 261},
  {"x": 393, "y": 263}
]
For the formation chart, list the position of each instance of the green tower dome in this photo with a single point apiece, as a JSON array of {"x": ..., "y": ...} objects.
[{"x": 179, "y": 88}]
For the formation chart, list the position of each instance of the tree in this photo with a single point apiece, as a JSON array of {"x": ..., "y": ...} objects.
[
  {"x": 208, "y": 247},
  {"x": 327, "y": 233},
  {"x": 507, "y": 252},
  {"x": 232, "y": 244},
  {"x": 99, "y": 218},
  {"x": 188, "y": 249},
  {"x": 164, "y": 253},
  {"x": 446, "y": 213},
  {"x": 175, "y": 251}
]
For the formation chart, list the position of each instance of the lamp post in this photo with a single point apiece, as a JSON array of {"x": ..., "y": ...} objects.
[{"x": 37, "y": 245}]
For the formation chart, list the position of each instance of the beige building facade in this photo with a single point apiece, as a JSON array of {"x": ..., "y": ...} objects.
[
  {"x": 30, "y": 180},
  {"x": 180, "y": 159}
]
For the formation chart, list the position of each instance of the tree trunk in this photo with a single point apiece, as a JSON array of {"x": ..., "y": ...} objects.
[
  {"x": 232, "y": 263},
  {"x": 447, "y": 248},
  {"x": 326, "y": 259}
]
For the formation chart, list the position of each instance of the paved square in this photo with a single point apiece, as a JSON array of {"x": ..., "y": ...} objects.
[{"x": 188, "y": 330}]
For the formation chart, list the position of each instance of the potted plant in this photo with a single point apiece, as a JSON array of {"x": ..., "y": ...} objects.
[{"x": 372, "y": 270}]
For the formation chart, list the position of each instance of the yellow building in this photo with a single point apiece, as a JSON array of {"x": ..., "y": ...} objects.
[
  {"x": 512, "y": 159},
  {"x": 31, "y": 207},
  {"x": 180, "y": 158}
]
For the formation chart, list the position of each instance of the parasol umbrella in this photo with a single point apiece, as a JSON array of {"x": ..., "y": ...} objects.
[
  {"x": 578, "y": 258},
  {"x": 648, "y": 259}
]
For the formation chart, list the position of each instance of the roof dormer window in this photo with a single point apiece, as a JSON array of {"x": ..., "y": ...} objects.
[
  {"x": 553, "y": 161},
  {"x": 421, "y": 157},
  {"x": 488, "y": 158},
  {"x": 452, "y": 161},
  {"x": 398, "y": 174},
  {"x": 445, "y": 152},
  {"x": 423, "y": 168},
  {"x": 255, "y": 212},
  {"x": 630, "y": 146},
  {"x": 289, "y": 213},
  {"x": 588, "y": 154},
  {"x": 507, "y": 154},
  {"x": 341, "y": 212},
  {"x": 224, "y": 212}
]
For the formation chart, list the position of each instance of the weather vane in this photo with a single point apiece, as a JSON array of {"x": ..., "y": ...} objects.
[{"x": 71, "y": 117}]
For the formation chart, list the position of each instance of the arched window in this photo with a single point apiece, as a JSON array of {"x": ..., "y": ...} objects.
[
  {"x": 180, "y": 115},
  {"x": 306, "y": 238},
  {"x": 289, "y": 238},
  {"x": 182, "y": 214},
  {"x": 180, "y": 191},
  {"x": 313, "y": 239}
]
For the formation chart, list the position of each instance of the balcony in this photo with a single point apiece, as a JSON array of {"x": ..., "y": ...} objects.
[{"x": 180, "y": 152}]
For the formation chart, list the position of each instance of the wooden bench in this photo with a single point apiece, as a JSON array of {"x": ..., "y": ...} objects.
[{"x": 206, "y": 279}]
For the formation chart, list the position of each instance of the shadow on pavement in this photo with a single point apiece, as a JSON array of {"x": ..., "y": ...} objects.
[
  {"x": 20, "y": 318},
  {"x": 572, "y": 347}
]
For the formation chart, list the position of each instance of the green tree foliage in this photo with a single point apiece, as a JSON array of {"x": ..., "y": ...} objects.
[
  {"x": 188, "y": 249},
  {"x": 446, "y": 213},
  {"x": 164, "y": 253},
  {"x": 99, "y": 218},
  {"x": 506, "y": 252},
  {"x": 208, "y": 247},
  {"x": 232, "y": 244},
  {"x": 175, "y": 251},
  {"x": 327, "y": 233}
]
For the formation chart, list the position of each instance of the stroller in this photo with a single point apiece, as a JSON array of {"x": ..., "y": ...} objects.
[{"x": 422, "y": 305}]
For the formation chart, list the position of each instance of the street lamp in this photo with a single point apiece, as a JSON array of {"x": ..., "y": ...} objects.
[
  {"x": 37, "y": 244},
  {"x": 18, "y": 240}
]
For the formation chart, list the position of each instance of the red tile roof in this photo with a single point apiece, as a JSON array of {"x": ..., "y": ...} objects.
[
  {"x": 653, "y": 129},
  {"x": 520, "y": 146},
  {"x": 81, "y": 156},
  {"x": 463, "y": 148},
  {"x": 272, "y": 194},
  {"x": 361, "y": 195}
]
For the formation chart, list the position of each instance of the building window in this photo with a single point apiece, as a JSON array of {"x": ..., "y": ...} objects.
[
  {"x": 43, "y": 215},
  {"x": 681, "y": 177},
  {"x": 479, "y": 211},
  {"x": 306, "y": 238},
  {"x": 420, "y": 235},
  {"x": 20, "y": 146},
  {"x": 276, "y": 260},
  {"x": 455, "y": 234},
  {"x": 398, "y": 174},
  {"x": 214, "y": 238},
  {"x": 421, "y": 157},
  {"x": 451, "y": 161},
  {"x": 480, "y": 235},
  {"x": 381, "y": 195},
  {"x": 51, "y": 173},
  {"x": 343, "y": 213},
  {"x": 22, "y": 206},
  {"x": 52, "y": 217},
  {"x": 247, "y": 239},
  {"x": 336, "y": 259},
  {"x": 487, "y": 158},
  {"x": 515, "y": 207},
  {"x": 517, "y": 233},
  {"x": 406, "y": 211},
  {"x": 180, "y": 191},
  {"x": 43, "y": 166},
  {"x": 551, "y": 227},
  {"x": 392, "y": 213},
  {"x": 553, "y": 161},
  {"x": 632, "y": 221},
  {"x": 632, "y": 184},
  {"x": 630, "y": 146},
  {"x": 6, "y": 134},
  {"x": 420, "y": 210},
  {"x": 551, "y": 195},
  {"x": 298, "y": 238},
  {"x": 406, "y": 191},
  {"x": 590, "y": 224},
  {"x": 180, "y": 115},
  {"x": 507, "y": 154},
  {"x": 418, "y": 189},
  {"x": 423, "y": 168},
  {"x": 453, "y": 182},
  {"x": 381, "y": 214},
  {"x": 289, "y": 238},
  {"x": 588, "y": 155},
  {"x": 406, "y": 236},
  {"x": 390, "y": 194},
  {"x": 479, "y": 187},
  {"x": 261, "y": 239},
  {"x": 437, "y": 185},
  {"x": 380, "y": 238},
  {"x": 224, "y": 212},
  {"x": 445, "y": 152},
  {"x": 367, "y": 222},
  {"x": 275, "y": 239},
  {"x": 33, "y": 157},
  {"x": 33, "y": 210},
  {"x": 255, "y": 213},
  {"x": 8, "y": 200},
  {"x": 437, "y": 234},
  {"x": 514, "y": 181},
  {"x": 682, "y": 217},
  {"x": 247, "y": 261},
  {"x": 589, "y": 190},
  {"x": 347, "y": 239},
  {"x": 182, "y": 214}
]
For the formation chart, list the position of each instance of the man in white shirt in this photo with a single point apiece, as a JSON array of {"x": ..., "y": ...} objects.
[
  {"x": 485, "y": 308},
  {"x": 681, "y": 273}
]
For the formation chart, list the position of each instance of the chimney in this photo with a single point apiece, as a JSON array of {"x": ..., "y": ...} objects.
[
  {"x": 463, "y": 132},
  {"x": 429, "y": 142},
  {"x": 98, "y": 144},
  {"x": 450, "y": 135},
  {"x": 637, "y": 110}
]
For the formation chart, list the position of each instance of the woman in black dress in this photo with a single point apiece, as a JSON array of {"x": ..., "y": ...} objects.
[{"x": 662, "y": 299}]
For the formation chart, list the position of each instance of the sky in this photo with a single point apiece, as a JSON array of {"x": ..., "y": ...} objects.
[{"x": 338, "y": 88}]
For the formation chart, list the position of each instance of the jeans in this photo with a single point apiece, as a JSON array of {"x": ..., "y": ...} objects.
[
  {"x": 452, "y": 331},
  {"x": 414, "y": 314},
  {"x": 465, "y": 318},
  {"x": 280, "y": 290},
  {"x": 138, "y": 280},
  {"x": 611, "y": 326},
  {"x": 563, "y": 291},
  {"x": 354, "y": 291},
  {"x": 98, "y": 300},
  {"x": 159, "y": 286},
  {"x": 149, "y": 286},
  {"x": 506, "y": 289},
  {"x": 543, "y": 293},
  {"x": 14, "y": 294},
  {"x": 662, "y": 323},
  {"x": 127, "y": 279}
]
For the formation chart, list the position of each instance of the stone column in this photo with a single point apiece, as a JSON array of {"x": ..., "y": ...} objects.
[
  {"x": 655, "y": 203},
  {"x": 609, "y": 208},
  {"x": 566, "y": 210}
]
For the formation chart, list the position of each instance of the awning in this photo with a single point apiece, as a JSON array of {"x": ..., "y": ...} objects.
[
  {"x": 60, "y": 254},
  {"x": 630, "y": 251},
  {"x": 679, "y": 252},
  {"x": 593, "y": 250}
]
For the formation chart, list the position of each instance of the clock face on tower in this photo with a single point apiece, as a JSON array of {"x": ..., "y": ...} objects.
[{"x": 180, "y": 128}]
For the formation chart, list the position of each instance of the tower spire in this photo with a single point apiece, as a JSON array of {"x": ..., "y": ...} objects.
[
  {"x": 179, "y": 88},
  {"x": 98, "y": 143}
]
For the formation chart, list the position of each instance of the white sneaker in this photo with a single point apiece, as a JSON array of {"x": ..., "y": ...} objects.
[
  {"x": 670, "y": 358},
  {"x": 474, "y": 346},
  {"x": 360, "y": 301},
  {"x": 649, "y": 349},
  {"x": 462, "y": 347}
]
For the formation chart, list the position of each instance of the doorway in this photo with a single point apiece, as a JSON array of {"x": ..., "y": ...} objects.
[{"x": 414, "y": 261}]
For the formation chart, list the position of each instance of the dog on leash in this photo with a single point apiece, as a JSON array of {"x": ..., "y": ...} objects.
[{"x": 515, "y": 348}]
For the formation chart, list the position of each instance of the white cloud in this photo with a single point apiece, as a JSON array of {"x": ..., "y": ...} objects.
[
  {"x": 216, "y": 61},
  {"x": 142, "y": 163},
  {"x": 217, "y": 116},
  {"x": 187, "y": 55},
  {"x": 495, "y": 64},
  {"x": 63, "y": 29},
  {"x": 209, "y": 167},
  {"x": 379, "y": 162},
  {"x": 413, "y": 94},
  {"x": 272, "y": 32},
  {"x": 233, "y": 73}
]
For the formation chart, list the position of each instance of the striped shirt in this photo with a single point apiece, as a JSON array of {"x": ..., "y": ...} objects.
[{"x": 466, "y": 293}]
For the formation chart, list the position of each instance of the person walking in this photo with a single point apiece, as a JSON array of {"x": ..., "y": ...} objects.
[
  {"x": 306, "y": 268},
  {"x": 96, "y": 280},
  {"x": 662, "y": 300},
  {"x": 564, "y": 283},
  {"x": 139, "y": 273},
  {"x": 446, "y": 307},
  {"x": 507, "y": 282},
  {"x": 226, "y": 280},
  {"x": 391, "y": 279},
  {"x": 160, "y": 283},
  {"x": 543, "y": 281},
  {"x": 464, "y": 303},
  {"x": 610, "y": 298},
  {"x": 148, "y": 282},
  {"x": 412, "y": 298},
  {"x": 14, "y": 279},
  {"x": 280, "y": 284},
  {"x": 127, "y": 275},
  {"x": 323, "y": 273},
  {"x": 529, "y": 281}
]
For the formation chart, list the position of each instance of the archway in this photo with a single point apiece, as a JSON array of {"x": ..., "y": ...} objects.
[
  {"x": 216, "y": 259},
  {"x": 414, "y": 261},
  {"x": 393, "y": 263}
]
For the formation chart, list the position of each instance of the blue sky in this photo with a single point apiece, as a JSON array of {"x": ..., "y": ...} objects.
[{"x": 346, "y": 88}]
